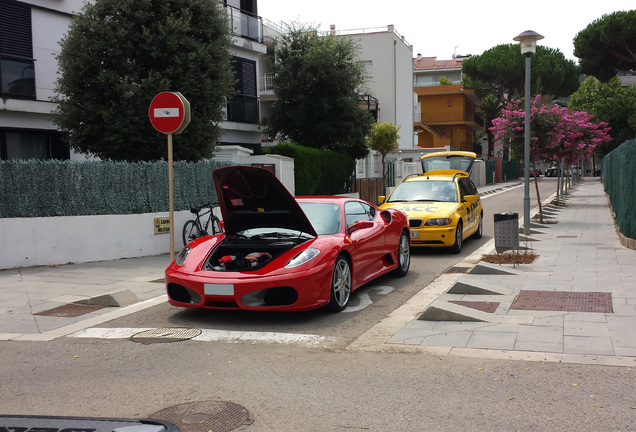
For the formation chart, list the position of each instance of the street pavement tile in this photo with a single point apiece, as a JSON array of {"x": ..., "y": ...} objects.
[
  {"x": 539, "y": 346},
  {"x": 492, "y": 340},
  {"x": 587, "y": 329},
  {"x": 585, "y": 316},
  {"x": 545, "y": 334},
  {"x": 587, "y": 345},
  {"x": 551, "y": 320},
  {"x": 451, "y": 338}
]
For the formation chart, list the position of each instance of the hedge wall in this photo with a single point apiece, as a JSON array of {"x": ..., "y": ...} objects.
[
  {"x": 620, "y": 185},
  {"x": 318, "y": 172},
  {"x": 41, "y": 188}
]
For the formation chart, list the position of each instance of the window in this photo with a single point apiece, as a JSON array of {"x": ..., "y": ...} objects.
[
  {"x": 356, "y": 211},
  {"x": 244, "y": 105},
  {"x": 29, "y": 144},
  {"x": 17, "y": 77}
]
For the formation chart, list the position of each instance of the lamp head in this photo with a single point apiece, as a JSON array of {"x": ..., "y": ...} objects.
[{"x": 528, "y": 41}]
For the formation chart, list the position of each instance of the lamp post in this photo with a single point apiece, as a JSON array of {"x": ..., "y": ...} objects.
[{"x": 528, "y": 42}]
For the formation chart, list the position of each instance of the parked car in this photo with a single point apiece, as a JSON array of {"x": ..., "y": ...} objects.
[
  {"x": 551, "y": 172},
  {"x": 284, "y": 253},
  {"x": 442, "y": 204}
]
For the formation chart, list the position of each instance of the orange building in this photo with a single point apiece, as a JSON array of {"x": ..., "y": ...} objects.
[{"x": 446, "y": 117}]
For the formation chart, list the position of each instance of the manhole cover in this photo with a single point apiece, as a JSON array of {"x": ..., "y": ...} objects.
[
  {"x": 564, "y": 301},
  {"x": 164, "y": 335},
  {"x": 484, "y": 306},
  {"x": 70, "y": 310},
  {"x": 205, "y": 416}
]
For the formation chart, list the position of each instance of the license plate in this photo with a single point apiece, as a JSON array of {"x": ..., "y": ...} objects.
[
  {"x": 218, "y": 289},
  {"x": 415, "y": 234}
]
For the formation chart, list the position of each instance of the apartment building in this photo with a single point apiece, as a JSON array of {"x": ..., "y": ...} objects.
[
  {"x": 30, "y": 32},
  {"x": 445, "y": 114}
]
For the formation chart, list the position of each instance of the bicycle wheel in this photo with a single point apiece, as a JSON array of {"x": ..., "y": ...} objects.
[
  {"x": 191, "y": 231},
  {"x": 215, "y": 224}
]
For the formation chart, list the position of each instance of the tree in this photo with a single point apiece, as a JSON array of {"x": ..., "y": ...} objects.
[
  {"x": 317, "y": 79},
  {"x": 611, "y": 103},
  {"x": 608, "y": 45},
  {"x": 118, "y": 55},
  {"x": 556, "y": 133},
  {"x": 383, "y": 139},
  {"x": 490, "y": 109},
  {"x": 501, "y": 71}
]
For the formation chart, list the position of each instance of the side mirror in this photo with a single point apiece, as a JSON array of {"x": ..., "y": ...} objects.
[
  {"x": 381, "y": 199},
  {"x": 361, "y": 224}
]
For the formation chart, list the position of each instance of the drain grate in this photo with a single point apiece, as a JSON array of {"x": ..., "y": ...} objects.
[
  {"x": 483, "y": 306},
  {"x": 165, "y": 335},
  {"x": 70, "y": 310},
  {"x": 564, "y": 301},
  {"x": 205, "y": 416}
]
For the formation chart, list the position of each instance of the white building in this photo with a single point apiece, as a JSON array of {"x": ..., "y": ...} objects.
[{"x": 388, "y": 59}]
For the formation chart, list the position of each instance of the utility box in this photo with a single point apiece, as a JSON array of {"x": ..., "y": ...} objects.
[{"x": 506, "y": 231}]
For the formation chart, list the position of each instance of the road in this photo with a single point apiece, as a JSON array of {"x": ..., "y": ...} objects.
[{"x": 293, "y": 387}]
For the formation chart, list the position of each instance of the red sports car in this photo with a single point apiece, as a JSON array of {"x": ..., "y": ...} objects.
[{"x": 284, "y": 253}]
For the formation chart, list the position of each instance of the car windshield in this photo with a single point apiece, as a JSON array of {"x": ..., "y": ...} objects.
[
  {"x": 324, "y": 217},
  {"x": 437, "y": 191}
]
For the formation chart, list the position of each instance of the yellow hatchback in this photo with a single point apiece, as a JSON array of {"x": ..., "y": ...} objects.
[{"x": 443, "y": 205}]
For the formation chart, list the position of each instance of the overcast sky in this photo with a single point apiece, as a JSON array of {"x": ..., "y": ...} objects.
[{"x": 442, "y": 28}]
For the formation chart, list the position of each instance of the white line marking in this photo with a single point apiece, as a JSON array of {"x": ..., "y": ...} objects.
[{"x": 230, "y": 336}]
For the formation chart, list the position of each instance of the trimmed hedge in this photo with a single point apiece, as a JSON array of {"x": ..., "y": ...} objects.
[
  {"x": 620, "y": 185},
  {"x": 316, "y": 171},
  {"x": 44, "y": 188}
]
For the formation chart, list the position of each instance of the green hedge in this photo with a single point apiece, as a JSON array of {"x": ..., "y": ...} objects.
[
  {"x": 42, "y": 188},
  {"x": 318, "y": 172},
  {"x": 620, "y": 185}
]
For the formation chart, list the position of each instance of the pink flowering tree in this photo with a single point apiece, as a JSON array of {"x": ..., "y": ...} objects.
[{"x": 556, "y": 134}]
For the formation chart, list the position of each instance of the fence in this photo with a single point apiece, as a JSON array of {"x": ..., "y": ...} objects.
[{"x": 620, "y": 185}]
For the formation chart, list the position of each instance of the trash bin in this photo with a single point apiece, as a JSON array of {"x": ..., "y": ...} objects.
[{"x": 506, "y": 231}]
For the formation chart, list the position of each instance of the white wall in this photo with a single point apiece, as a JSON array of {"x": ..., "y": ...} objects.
[{"x": 29, "y": 242}]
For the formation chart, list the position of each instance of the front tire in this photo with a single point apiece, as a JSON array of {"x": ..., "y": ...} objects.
[
  {"x": 459, "y": 232},
  {"x": 340, "y": 285},
  {"x": 403, "y": 255},
  {"x": 191, "y": 231}
]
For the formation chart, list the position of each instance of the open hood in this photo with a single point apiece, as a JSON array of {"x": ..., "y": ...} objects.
[
  {"x": 251, "y": 197},
  {"x": 448, "y": 163}
]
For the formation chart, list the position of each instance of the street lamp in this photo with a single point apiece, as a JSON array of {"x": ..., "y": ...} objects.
[{"x": 528, "y": 42}]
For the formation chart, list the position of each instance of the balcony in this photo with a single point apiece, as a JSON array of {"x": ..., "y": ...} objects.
[
  {"x": 244, "y": 24},
  {"x": 446, "y": 117}
]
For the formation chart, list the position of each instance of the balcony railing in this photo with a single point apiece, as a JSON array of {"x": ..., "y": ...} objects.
[
  {"x": 445, "y": 117},
  {"x": 244, "y": 24}
]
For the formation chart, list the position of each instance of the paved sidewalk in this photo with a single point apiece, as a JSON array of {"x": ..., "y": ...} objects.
[
  {"x": 584, "y": 282},
  {"x": 579, "y": 256}
]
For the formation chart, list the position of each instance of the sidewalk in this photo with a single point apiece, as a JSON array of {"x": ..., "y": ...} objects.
[
  {"x": 474, "y": 309},
  {"x": 576, "y": 303}
]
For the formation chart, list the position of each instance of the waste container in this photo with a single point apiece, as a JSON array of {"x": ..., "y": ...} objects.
[{"x": 506, "y": 231}]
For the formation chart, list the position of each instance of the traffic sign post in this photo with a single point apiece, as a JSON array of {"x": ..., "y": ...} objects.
[{"x": 169, "y": 113}]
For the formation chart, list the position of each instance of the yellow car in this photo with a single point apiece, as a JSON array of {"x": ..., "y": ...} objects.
[{"x": 443, "y": 205}]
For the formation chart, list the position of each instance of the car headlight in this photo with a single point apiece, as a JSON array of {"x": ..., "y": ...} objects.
[
  {"x": 303, "y": 257},
  {"x": 181, "y": 257},
  {"x": 439, "y": 222}
]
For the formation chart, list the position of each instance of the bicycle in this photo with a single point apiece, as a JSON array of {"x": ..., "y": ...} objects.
[{"x": 193, "y": 229}]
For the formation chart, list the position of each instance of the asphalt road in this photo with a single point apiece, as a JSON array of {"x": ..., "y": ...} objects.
[{"x": 325, "y": 388}]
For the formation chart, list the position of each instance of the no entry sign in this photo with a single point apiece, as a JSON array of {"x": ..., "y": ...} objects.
[{"x": 169, "y": 112}]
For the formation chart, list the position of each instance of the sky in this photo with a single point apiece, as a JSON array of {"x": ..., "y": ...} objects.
[{"x": 441, "y": 28}]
